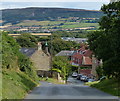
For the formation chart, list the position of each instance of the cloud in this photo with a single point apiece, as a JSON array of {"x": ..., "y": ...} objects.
[
  {"x": 77, "y": 5},
  {"x": 55, "y": 0}
]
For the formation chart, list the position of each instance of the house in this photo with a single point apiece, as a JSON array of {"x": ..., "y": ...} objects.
[
  {"x": 95, "y": 64},
  {"x": 83, "y": 59},
  {"x": 40, "y": 60},
  {"x": 86, "y": 61},
  {"x": 86, "y": 72},
  {"x": 65, "y": 53}
]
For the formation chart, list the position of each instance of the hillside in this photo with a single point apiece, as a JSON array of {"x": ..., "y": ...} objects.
[
  {"x": 18, "y": 73},
  {"x": 17, "y": 15}
]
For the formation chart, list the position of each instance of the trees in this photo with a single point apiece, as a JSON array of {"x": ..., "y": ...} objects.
[
  {"x": 105, "y": 43},
  {"x": 62, "y": 65},
  {"x": 12, "y": 58},
  {"x": 27, "y": 40},
  {"x": 80, "y": 34},
  {"x": 57, "y": 44}
]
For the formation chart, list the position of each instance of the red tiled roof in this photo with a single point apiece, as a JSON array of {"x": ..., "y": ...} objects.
[
  {"x": 81, "y": 49},
  {"x": 87, "y": 61},
  {"x": 78, "y": 56},
  {"x": 88, "y": 53}
]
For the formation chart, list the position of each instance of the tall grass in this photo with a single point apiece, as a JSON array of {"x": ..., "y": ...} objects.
[{"x": 16, "y": 84}]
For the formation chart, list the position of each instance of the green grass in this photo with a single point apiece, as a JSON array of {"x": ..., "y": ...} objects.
[
  {"x": 51, "y": 80},
  {"x": 42, "y": 23},
  {"x": 52, "y": 23},
  {"x": 33, "y": 22},
  {"x": 0, "y": 85},
  {"x": 110, "y": 86},
  {"x": 91, "y": 83},
  {"x": 71, "y": 23},
  {"x": 16, "y": 84},
  {"x": 55, "y": 22},
  {"x": 80, "y": 25}
]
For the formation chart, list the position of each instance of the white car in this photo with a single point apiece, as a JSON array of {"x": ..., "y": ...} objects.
[
  {"x": 75, "y": 74},
  {"x": 83, "y": 78}
]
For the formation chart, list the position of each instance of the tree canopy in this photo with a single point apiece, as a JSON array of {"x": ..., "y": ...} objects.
[
  {"x": 105, "y": 42},
  {"x": 12, "y": 58},
  {"x": 57, "y": 44},
  {"x": 62, "y": 65},
  {"x": 27, "y": 40}
]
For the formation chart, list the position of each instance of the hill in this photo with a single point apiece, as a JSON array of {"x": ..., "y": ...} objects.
[
  {"x": 17, "y": 15},
  {"x": 18, "y": 73}
]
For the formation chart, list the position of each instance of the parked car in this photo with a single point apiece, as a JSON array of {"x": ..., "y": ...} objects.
[
  {"x": 90, "y": 80},
  {"x": 86, "y": 79},
  {"x": 79, "y": 76},
  {"x": 74, "y": 74},
  {"x": 83, "y": 78}
]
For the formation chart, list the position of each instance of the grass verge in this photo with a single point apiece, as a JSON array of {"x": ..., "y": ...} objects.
[
  {"x": 16, "y": 84},
  {"x": 51, "y": 80},
  {"x": 111, "y": 86}
]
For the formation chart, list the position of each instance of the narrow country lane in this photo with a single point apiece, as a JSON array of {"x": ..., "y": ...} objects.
[{"x": 75, "y": 89}]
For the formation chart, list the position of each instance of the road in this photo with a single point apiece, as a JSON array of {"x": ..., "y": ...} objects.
[{"x": 74, "y": 90}]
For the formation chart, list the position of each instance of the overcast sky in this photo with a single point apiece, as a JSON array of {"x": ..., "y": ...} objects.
[
  {"x": 77, "y": 4},
  {"x": 55, "y": 0}
]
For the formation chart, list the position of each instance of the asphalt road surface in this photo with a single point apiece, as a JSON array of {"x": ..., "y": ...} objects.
[{"x": 75, "y": 89}]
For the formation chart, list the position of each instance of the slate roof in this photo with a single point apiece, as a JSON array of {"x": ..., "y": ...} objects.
[
  {"x": 27, "y": 51},
  {"x": 65, "y": 53}
]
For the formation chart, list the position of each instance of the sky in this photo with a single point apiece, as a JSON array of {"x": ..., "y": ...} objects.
[
  {"x": 76, "y": 4},
  {"x": 55, "y": 0}
]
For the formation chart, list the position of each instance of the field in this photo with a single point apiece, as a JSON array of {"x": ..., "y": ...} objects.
[
  {"x": 58, "y": 24},
  {"x": 42, "y": 23},
  {"x": 81, "y": 25}
]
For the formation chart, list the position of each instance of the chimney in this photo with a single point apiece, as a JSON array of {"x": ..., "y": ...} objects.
[
  {"x": 46, "y": 48},
  {"x": 39, "y": 46}
]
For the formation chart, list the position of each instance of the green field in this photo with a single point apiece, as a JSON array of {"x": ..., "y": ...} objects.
[
  {"x": 42, "y": 23},
  {"x": 51, "y": 24},
  {"x": 81, "y": 25},
  {"x": 71, "y": 23}
]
